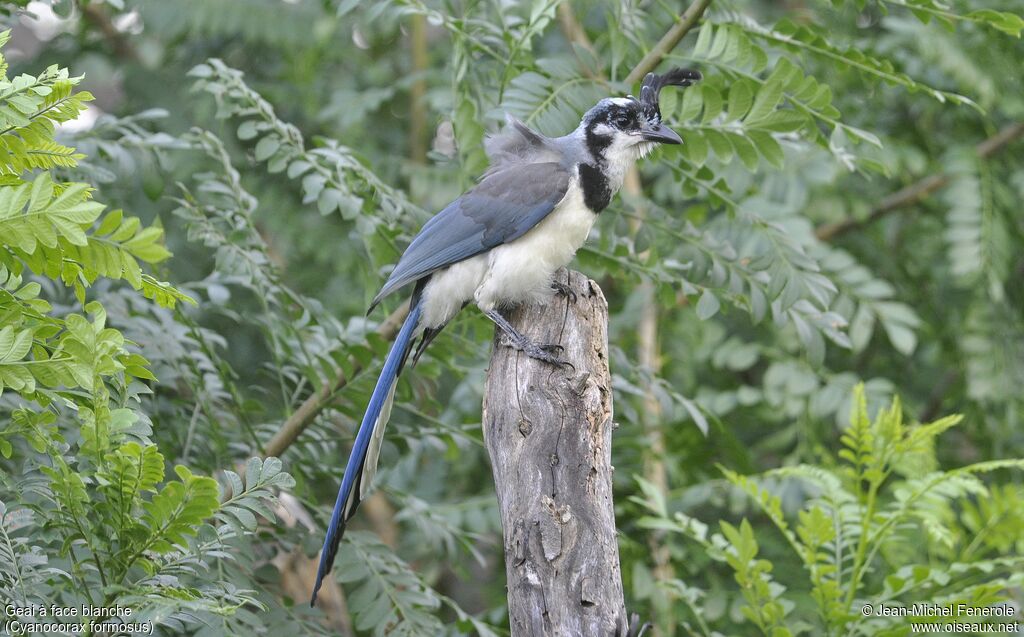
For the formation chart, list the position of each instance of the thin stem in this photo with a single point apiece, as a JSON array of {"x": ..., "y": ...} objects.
[
  {"x": 920, "y": 189},
  {"x": 418, "y": 90},
  {"x": 862, "y": 543},
  {"x": 191, "y": 431}
]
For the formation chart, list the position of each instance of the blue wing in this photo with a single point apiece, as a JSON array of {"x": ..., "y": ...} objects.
[{"x": 501, "y": 208}]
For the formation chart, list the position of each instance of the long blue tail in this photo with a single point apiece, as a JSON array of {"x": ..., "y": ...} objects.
[{"x": 363, "y": 462}]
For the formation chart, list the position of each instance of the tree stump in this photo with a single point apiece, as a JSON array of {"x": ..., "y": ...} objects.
[{"x": 548, "y": 433}]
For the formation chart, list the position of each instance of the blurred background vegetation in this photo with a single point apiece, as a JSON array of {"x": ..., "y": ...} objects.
[{"x": 845, "y": 210}]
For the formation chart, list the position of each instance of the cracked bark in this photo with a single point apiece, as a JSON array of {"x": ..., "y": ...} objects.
[{"x": 548, "y": 433}]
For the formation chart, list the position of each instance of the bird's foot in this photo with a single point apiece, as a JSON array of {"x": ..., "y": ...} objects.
[
  {"x": 547, "y": 352},
  {"x": 564, "y": 290}
]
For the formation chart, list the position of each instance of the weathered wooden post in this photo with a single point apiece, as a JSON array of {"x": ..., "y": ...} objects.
[{"x": 548, "y": 432}]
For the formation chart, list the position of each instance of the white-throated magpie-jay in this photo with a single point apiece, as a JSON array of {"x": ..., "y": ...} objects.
[{"x": 500, "y": 243}]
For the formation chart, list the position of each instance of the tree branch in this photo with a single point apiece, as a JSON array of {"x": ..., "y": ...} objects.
[
  {"x": 668, "y": 41},
  {"x": 548, "y": 433},
  {"x": 418, "y": 90},
  {"x": 572, "y": 28},
  {"x": 118, "y": 41},
  {"x": 920, "y": 189},
  {"x": 312, "y": 406},
  {"x": 575, "y": 33}
]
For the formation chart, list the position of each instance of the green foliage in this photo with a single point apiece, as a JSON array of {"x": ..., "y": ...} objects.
[
  {"x": 31, "y": 108},
  {"x": 881, "y": 502},
  {"x": 331, "y": 175},
  {"x": 841, "y": 214},
  {"x": 262, "y": 21},
  {"x": 749, "y": 105},
  {"x": 387, "y": 594},
  {"x": 552, "y": 97},
  {"x": 45, "y": 230},
  {"x": 86, "y": 482}
]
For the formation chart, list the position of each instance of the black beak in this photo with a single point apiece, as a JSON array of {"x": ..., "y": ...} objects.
[{"x": 660, "y": 133}]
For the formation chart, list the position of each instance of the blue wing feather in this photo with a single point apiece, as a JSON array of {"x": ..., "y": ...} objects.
[{"x": 501, "y": 208}]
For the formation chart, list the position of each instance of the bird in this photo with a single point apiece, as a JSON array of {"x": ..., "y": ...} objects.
[{"x": 499, "y": 245}]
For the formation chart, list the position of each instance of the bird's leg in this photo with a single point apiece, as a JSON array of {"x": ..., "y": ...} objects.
[
  {"x": 519, "y": 341},
  {"x": 564, "y": 290}
]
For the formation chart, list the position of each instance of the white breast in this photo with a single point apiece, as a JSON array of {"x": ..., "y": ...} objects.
[
  {"x": 520, "y": 271},
  {"x": 516, "y": 272}
]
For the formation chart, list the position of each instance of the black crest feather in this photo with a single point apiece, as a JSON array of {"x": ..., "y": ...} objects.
[{"x": 651, "y": 87}]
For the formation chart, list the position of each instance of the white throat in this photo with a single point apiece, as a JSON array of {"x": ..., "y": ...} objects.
[{"x": 621, "y": 155}]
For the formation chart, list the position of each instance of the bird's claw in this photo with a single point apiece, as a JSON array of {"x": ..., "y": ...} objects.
[
  {"x": 511, "y": 337},
  {"x": 547, "y": 353},
  {"x": 564, "y": 290}
]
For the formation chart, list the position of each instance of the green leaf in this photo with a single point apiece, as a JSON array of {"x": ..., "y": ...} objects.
[
  {"x": 741, "y": 98},
  {"x": 266, "y": 147},
  {"x": 767, "y": 98},
  {"x": 768, "y": 147},
  {"x": 712, "y": 101},
  {"x": 901, "y": 337},
  {"x": 247, "y": 130},
  {"x": 1005, "y": 21},
  {"x": 708, "y": 305},
  {"x": 695, "y": 146}
]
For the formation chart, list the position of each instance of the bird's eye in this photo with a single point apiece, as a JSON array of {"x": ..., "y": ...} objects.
[{"x": 622, "y": 122}]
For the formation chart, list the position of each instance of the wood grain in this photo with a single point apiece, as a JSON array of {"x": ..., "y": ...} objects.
[{"x": 548, "y": 431}]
